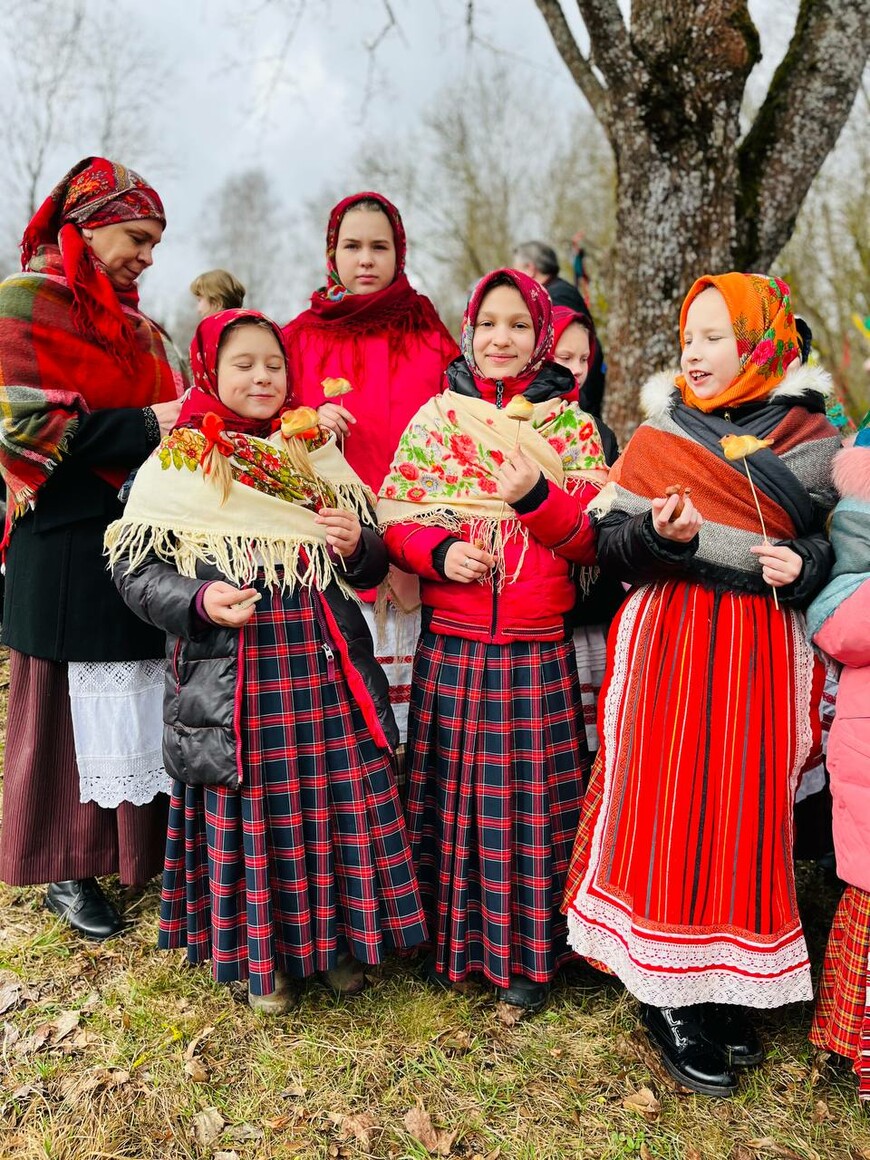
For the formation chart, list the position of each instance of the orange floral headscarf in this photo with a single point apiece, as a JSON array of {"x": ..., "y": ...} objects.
[{"x": 767, "y": 340}]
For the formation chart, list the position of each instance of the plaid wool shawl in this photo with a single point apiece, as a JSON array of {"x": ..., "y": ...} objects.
[
  {"x": 51, "y": 374},
  {"x": 680, "y": 445}
]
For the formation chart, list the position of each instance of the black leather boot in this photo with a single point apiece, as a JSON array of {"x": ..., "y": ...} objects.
[
  {"x": 81, "y": 903},
  {"x": 525, "y": 993},
  {"x": 728, "y": 1027},
  {"x": 689, "y": 1057}
]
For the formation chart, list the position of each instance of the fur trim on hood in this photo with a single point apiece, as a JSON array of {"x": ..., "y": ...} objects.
[
  {"x": 657, "y": 394},
  {"x": 851, "y": 471}
]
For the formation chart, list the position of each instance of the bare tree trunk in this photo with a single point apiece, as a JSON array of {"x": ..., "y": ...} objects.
[{"x": 690, "y": 197}]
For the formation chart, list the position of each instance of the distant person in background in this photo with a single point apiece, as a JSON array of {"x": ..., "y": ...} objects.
[
  {"x": 539, "y": 261},
  {"x": 217, "y": 290}
]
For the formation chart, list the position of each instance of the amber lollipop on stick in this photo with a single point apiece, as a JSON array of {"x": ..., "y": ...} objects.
[
  {"x": 741, "y": 447},
  {"x": 337, "y": 389}
]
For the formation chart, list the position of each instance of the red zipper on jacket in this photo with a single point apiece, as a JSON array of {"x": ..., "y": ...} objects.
[
  {"x": 175, "y": 653},
  {"x": 499, "y": 397}
]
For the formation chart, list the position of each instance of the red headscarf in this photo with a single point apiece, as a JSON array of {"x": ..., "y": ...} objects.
[
  {"x": 203, "y": 398},
  {"x": 563, "y": 316},
  {"x": 539, "y": 306},
  {"x": 396, "y": 311},
  {"x": 764, "y": 325},
  {"x": 94, "y": 193}
]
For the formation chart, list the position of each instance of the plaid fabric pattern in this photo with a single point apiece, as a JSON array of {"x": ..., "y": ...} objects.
[
  {"x": 310, "y": 857},
  {"x": 496, "y": 757},
  {"x": 841, "y": 1021}
]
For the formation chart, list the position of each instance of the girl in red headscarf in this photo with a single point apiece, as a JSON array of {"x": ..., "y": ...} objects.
[
  {"x": 485, "y": 502},
  {"x": 87, "y": 384},
  {"x": 370, "y": 331},
  {"x": 245, "y": 540},
  {"x": 682, "y": 882}
]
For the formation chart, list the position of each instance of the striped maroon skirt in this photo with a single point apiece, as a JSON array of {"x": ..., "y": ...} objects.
[
  {"x": 841, "y": 1021},
  {"x": 496, "y": 759},
  {"x": 310, "y": 857},
  {"x": 48, "y": 835}
]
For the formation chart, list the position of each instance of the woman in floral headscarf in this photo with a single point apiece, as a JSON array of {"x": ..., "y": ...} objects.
[
  {"x": 682, "y": 882},
  {"x": 369, "y": 329},
  {"x": 88, "y": 384},
  {"x": 489, "y": 511}
]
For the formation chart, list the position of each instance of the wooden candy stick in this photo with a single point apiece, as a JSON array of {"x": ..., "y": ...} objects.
[
  {"x": 523, "y": 411},
  {"x": 250, "y": 600},
  {"x": 336, "y": 389},
  {"x": 741, "y": 447}
]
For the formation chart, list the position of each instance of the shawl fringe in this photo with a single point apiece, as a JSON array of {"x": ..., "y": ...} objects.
[{"x": 286, "y": 563}]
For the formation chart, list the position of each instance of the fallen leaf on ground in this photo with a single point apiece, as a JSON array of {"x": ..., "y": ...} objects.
[
  {"x": 13, "y": 994},
  {"x": 225, "y": 1156},
  {"x": 75, "y": 1085},
  {"x": 206, "y": 1126},
  {"x": 418, "y": 1124},
  {"x": 508, "y": 1014},
  {"x": 33, "y": 1043},
  {"x": 11, "y": 1035},
  {"x": 190, "y": 1050},
  {"x": 644, "y": 1102},
  {"x": 279, "y": 1122},
  {"x": 821, "y": 1112},
  {"x": 241, "y": 1133},
  {"x": 64, "y": 1024},
  {"x": 645, "y": 1153},
  {"x": 692, "y": 1154},
  {"x": 768, "y": 1144},
  {"x": 360, "y": 1127},
  {"x": 196, "y": 1070},
  {"x": 28, "y": 1091}
]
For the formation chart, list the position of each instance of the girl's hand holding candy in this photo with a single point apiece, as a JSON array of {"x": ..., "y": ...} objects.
[{"x": 343, "y": 530}]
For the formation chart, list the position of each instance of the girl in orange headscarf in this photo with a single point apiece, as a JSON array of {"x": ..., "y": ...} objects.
[{"x": 682, "y": 881}]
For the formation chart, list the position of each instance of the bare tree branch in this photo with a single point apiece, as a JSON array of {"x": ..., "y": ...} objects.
[
  {"x": 577, "y": 64},
  {"x": 612, "y": 50},
  {"x": 809, "y": 100}
]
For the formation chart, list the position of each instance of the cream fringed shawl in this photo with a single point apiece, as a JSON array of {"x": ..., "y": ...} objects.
[
  {"x": 267, "y": 521},
  {"x": 442, "y": 473}
]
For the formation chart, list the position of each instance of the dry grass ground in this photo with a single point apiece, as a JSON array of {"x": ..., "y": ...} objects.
[{"x": 117, "y": 1050}]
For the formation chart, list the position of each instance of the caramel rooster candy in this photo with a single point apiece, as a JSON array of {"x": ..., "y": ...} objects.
[
  {"x": 519, "y": 408},
  {"x": 335, "y": 388},
  {"x": 298, "y": 422}
]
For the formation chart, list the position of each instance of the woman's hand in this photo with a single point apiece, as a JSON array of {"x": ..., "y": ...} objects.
[
  {"x": 219, "y": 599},
  {"x": 166, "y": 415},
  {"x": 466, "y": 563},
  {"x": 684, "y": 528},
  {"x": 343, "y": 530},
  {"x": 335, "y": 418},
  {"x": 780, "y": 565},
  {"x": 517, "y": 476}
]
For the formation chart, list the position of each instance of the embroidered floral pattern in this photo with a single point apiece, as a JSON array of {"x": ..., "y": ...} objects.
[
  {"x": 254, "y": 462},
  {"x": 448, "y": 462}
]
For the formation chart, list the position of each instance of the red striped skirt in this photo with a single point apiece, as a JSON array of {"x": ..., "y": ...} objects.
[
  {"x": 48, "y": 834},
  {"x": 682, "y": 880},
  {"x": 310, "y": 857},
  {"x": 496, "y": 759},
  {"x": 841, "y": 1021}
]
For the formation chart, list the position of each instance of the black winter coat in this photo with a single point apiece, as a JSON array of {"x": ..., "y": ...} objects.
[
  {"x": 202, "y": 672},
  {"x": 60, "y": 602}
]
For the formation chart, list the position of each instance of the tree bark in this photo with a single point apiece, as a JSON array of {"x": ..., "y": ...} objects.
[{"x": 691, "y": 198}]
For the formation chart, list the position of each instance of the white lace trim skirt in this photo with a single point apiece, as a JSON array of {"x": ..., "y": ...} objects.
[{"x": 117, "y": 716}]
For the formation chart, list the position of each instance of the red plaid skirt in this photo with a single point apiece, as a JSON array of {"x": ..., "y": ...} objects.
[
  {"x": 310, "y": 857},
  {"x": 496, "y": 758},
  {"x": 841, "y": 1021}
]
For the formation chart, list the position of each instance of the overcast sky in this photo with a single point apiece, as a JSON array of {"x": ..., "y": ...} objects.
[{"x": 299, "y": 97}]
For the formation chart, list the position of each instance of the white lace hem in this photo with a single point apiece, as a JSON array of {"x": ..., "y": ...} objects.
[{"x": 117, "y": 716}]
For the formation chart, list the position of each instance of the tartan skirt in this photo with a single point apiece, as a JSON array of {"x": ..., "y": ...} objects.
[
  {"x": 841, "y": 1020},
  {"x": 309, "y": 858},
  {"x": 496, "y": 760}
]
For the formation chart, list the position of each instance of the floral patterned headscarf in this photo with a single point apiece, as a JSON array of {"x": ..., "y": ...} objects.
[
  {"x": 539, "y": 306},
  {"x": 761, "y": 314}
]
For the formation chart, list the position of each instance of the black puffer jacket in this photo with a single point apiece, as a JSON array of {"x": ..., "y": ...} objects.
[{"x": 203, "y": 674}]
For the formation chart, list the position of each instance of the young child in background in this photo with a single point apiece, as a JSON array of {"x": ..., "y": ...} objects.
[
  {"x": 489, "y": 510},
  {"x": 682, "y": 882},
  {"x": 838, "y": 621},
  {"x": 217, "y": 290},
  {"x": 598, "y": 597},
  {"x": 287, "y": 852},
  {"x": 368, "y": 330}
]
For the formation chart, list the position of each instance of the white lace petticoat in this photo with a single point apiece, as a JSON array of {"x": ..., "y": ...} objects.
[{"x": 117, "y": 716}]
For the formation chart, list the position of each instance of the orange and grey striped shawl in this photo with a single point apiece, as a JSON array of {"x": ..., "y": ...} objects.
[{"x": 679, "y": 444}]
